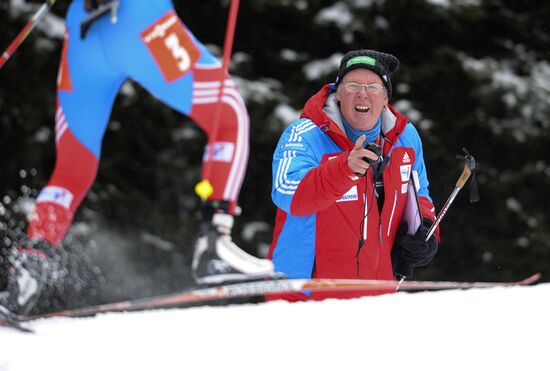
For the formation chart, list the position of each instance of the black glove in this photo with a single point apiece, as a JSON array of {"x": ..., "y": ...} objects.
[{"x": 410, "y": 252}]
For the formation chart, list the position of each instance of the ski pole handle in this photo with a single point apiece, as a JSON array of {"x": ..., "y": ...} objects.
[
  {"x": 463, "y": 177},
  {"x": 31, "y": 24}
]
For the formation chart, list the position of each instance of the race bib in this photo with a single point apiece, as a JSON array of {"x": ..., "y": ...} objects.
[{"x": 171, "y": 46}]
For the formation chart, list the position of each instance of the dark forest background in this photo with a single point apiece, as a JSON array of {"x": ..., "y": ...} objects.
[{"x": 473, "y": 74}]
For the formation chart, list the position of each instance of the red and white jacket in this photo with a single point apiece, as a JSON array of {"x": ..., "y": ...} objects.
[{"x": 323, "y": 210}]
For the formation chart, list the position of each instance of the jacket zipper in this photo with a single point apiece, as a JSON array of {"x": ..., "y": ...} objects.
[
  {"x": 392, "y": 211},
  {"x": 366, "y": 217},
  {"x": 363, "y": 233}
]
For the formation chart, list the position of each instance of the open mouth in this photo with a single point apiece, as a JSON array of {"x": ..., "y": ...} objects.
[{"x": 362, "y": 109}]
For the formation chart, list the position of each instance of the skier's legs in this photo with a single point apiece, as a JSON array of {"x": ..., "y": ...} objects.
[
  {"x": 87, "y": 87},
  {"x": 169, "y": 62},
  {"x": 231, "y": 144},
  {"x": 176, "y": 68},
  {"x": 74, "y": 172}
]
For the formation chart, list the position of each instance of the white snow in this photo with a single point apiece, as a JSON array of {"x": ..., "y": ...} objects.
[
  {"x": 449, "y": 3},
  {"x": 286, "y": 114},
  {"x": 339, "y": 13},
  {"x": 483, "y": 329},
  {"x": 320, "y": 67}
]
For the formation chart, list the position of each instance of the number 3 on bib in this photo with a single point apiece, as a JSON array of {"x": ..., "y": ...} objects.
[{"x": 171, "y": 46}]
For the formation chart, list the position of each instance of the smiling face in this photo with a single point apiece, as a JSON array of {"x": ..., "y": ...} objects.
[{"x": 361, "y": 110}]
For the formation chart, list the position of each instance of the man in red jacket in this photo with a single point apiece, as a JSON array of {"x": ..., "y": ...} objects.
[{"x": 340, "y": 181}]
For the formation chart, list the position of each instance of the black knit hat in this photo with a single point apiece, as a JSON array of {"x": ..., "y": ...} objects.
[{"x": 380, "y": 63}]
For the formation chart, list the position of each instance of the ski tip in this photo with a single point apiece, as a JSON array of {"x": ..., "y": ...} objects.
[
  {"x": 9, "y": 320},
  {"x": 15, "y": 326},
  {"x": 531, "y": 279}
]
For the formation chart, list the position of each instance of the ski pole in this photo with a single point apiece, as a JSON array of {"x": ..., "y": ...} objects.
[
  {"x": 469, "y": 169},
  {"x": 204, "y": 188},
  {"x": 25, "y": 31}
]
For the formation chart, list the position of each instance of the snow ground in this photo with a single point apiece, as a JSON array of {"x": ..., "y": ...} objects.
[{"x": 481, "y": 329}]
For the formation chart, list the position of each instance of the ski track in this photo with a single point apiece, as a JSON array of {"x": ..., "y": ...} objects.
[{"x": 478, "y": 329}]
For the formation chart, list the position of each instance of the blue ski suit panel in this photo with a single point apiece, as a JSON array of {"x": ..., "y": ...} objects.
[
  {"x": 299, "y": 149},
  {"x": 110, "y": 54}
]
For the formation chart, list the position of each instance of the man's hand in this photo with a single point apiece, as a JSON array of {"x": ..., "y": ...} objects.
[
  {"x": 410, "y": 252},
  {"x": 355, "y": 159}
]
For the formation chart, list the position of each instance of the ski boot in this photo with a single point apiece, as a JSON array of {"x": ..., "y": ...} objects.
[
  {"x": 31, "y": 266},
  {"x": 218, "y": 259}
]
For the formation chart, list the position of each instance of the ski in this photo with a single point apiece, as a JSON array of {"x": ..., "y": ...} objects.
[
  {"x": 258, "y": 288},
  {"x": 7, "y": 320}
]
